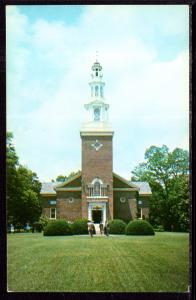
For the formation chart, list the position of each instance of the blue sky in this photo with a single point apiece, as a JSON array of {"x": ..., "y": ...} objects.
[{"x": 144, "y": 51}]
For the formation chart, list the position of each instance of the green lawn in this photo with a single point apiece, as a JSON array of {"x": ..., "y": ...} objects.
[{"x": 83, "y": 264}]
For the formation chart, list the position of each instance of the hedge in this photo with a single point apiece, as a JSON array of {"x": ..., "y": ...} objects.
[
  {"x": 117, "y": 226},
  {"x": 139, "y": 227},
  {"x": 80, "y": 226},
  {"x": 57, "y": 227}
]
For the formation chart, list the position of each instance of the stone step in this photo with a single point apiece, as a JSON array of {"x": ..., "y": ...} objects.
[{"x": 97, "y": 230}]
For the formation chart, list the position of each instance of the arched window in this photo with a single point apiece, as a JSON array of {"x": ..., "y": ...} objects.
[
  {"x": 96, "y": 90},
  {"x": 96, "y": 114},
  {"x": 97, "y": 188},
  {"x": 101, "y": 91},
  {"x": 97, "y": 183}
]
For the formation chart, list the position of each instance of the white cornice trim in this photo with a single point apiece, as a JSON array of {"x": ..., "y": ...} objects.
[
  {"x": 96, "y": 133},
  {"x": 48, "y": 194},
  {"x": 126, "y": 189},
  {"x": 97, "y": 200},
  {"x": 68, "y": 189}
]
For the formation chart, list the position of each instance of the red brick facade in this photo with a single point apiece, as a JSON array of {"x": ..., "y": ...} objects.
[{"x": 97, "y": 164}]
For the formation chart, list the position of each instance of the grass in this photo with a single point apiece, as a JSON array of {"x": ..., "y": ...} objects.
[{"x": 82, "y": 264}]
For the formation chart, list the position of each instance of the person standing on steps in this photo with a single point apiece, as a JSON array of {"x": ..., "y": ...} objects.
[
  {"x": 106, "y": 229},
  {"x": 101, "y": 228},
  {"x": 90, "y": 228}
]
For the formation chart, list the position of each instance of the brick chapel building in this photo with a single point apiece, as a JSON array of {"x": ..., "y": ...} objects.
[{"x": 96, "y": 193}]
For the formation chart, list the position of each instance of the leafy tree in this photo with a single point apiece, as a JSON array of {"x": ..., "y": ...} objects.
[
  {"x": 62, "y": 178},
  {"x": 11, "y": 176},
  {"x": 167, "y": 173},
  {"x": 23, "y": 189},
  {"x": 28, "y": 206}
]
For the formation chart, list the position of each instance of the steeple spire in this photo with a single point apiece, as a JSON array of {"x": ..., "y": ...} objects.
[{"x": 96, "y": 109}]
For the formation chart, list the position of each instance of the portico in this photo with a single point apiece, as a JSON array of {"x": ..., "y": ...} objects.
[{"x": 97, "y": 211}]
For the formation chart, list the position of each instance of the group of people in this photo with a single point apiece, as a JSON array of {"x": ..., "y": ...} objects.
[{"x": 103, "y": 228}]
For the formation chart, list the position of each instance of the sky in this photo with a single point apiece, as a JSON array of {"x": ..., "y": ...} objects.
[{"x": 144, "y": 52}]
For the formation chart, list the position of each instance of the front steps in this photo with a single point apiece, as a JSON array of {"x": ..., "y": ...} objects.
[{"x": 97, "y": 230}]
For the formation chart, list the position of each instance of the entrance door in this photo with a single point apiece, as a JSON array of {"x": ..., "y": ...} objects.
[{"x": 97, "y": 215}]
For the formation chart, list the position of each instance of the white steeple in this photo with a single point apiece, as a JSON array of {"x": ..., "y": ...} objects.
[{"x": 97, "y": 109}]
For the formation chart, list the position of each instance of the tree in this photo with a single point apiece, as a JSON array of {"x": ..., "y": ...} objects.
[
  {"x": 28, "y": 206},
  {"x": 11, "y": 175},
  {"x": 167, "y": 173},
  {"x": 62, "y": 178},
  {"x": 23, "y": 189}
]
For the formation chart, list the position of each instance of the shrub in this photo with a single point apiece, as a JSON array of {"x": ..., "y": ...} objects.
[
  {"x": 80, "y": 226},
  {"x": 57, "y": 227},
  {"x": 117, "y": 226},
  {"x": 158, "y": 228},
  {"x": 139, "y": 227},
  {"x": 44, "y": 220}
]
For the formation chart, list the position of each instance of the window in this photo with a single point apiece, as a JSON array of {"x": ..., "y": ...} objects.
[
  {"x": 122, "y": 199},
  {"x": 91, "y": 91},
  {"x": 140, "y": 202},
  {"x": 96, "y": 90},
  {"x": 96, "y": 72},
  {"x": 139, "y": 213},
  {"x": 97, "y": 187},
  {"x": 52, "y": 202},
  {"x": 101, "y": 91},
  {"x": 53, "y": 213},
  {"x": 96, "y": 114},
  {"x": 71, "y": 200}
]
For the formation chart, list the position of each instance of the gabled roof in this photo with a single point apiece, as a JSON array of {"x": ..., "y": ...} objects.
[
  {"x": 48, "y": 188},
  {"x": 128, "y": 183},
  {"x": 66, "y": 182},
  {"x": 143, "y": 186}
]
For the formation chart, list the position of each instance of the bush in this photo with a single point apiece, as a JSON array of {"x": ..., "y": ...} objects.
[
  {"x": 158, "y": 228},
  {"x": 139, "y": 227},
  {"x": 80, "y": 226},
  {"x": 117, "y": 226},
  {"x": 57, "y": 227},
  {"x": 44, "y": 220}
]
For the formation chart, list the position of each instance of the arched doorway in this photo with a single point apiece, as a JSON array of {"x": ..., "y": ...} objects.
[
  {"x": 97, "y": 212},
  {"x": 97, "y": 216}
]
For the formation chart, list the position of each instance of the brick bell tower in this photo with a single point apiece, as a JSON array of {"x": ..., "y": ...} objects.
[{"x": 97, "y": 162}]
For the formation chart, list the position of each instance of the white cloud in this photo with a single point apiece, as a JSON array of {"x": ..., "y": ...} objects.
[{"x": 49, "y": 68}]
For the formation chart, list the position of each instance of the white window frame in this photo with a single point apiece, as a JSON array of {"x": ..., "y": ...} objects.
[
  {"x": 52, "y": 201},
  {"x": 71, "y": 200},
  {"x": 123, "y": 199},
  {"x": 140, "y": 213},
  {"x": 51, "y": 213}
]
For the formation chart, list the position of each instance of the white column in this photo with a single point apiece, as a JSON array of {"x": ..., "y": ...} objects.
[
  {"x": 104, "y": 213},
  {"x": 89, "y": 212}
]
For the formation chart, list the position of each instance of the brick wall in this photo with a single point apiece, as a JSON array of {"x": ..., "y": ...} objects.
[
  {"x": 125, "y": 211},
  {"x": 46, "y": 206},
  {"x": 66, "y": 209},
  {"x": 97, "y": 164},
  {"x": 145, "y": 212}
]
